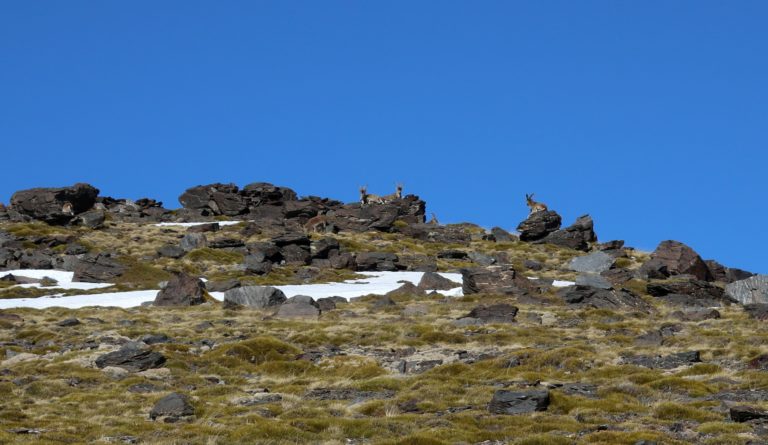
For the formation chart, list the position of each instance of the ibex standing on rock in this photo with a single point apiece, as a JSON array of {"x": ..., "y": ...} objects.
[
  {"x": 397, "y": 195},
  {"x": 67, "y": 209},
  {"x": 533, "y": 205},
  {"x": 319, "y": 221},
  {"x": 367, "y": 198}
]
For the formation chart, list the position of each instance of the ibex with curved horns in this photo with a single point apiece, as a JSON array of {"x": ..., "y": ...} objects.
[
  {"x": 368, "y": 198},
  {"x": 534, "y": 205},
  {"x": 397, "y": 195}
]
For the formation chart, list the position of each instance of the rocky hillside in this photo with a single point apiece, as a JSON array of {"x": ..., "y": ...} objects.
[{"x": 557, "y": 338}]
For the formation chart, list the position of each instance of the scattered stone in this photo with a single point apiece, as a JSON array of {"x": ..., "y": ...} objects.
[
  {"x": 418, "y": 367},
  {"x": 377, "y": 261},
  {"x": 173, "y": 407},
  {"x": 97, "y": 268},
  {"x": 518, "y": 402},
  {"x": 143, "y": 388},
  {"x": 664, "y": 362},
  {"x": 171, "y": 251},
  {"x": 68, "y": 322},
  {"x": 192, "y": 241},
  {"x": 133, "y": 357},
  {"x": 258, "y": 297},
  {"x": 495, "y": 313},
  {"x": 494, "y": 280},
  {"x": 746, "y": 413},
  {"x": 182, "y": 290},
  {"x": 602, "y": 298},
  {"x": 298, "y": 309},
  {"x": 595, "y": 263},
  {"x": 757, "y": 311},
  {"x": 696, "y": 314},
  {"x": 260, "y": 399},
  {"x": 329, "y": 303},
  {"x": 701, "y": 293},
  {"x": 416, "y": 310},
  {"x": 56, "y": 206},
  {"x": 151, "y": 339},
  {"x": 753, "y": 290},
  {"x": 533, "y": 265},
  {"x": 347, "y": 394},
  {"x": 502, "y": 236}
]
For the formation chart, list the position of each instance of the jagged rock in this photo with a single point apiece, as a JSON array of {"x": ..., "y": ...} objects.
[
  {"x": 726, "y": 274},
  {"x": 494, "y": 280},
  {"x": 746, "y": 413},
  {"x": 192, "y": 241},
  {"x": 264, "y": 193},
  {"x": 664, "y": 362},
  {"x": 753, "y": 290},
  {"x": 495, "y": 313},
  {"x": 264, "y": 251},
  {"x": 576, "y": 236},
  {"x": 593, "y": 280},
  {"x": 226, "y": 243},
  {"x": 435, "y": 281},
  {"x": 502, "y": 236},
  {"x": 222, "y": 286},
  {"x": 538, "y": 225},
  {"x": 255, "y": 296},
  {"x": 680, "y": 259},
  {"x": 610, "y": 245},
  {"x": 453, "y": 254},
  {"x": 595, "y": 263},
  {"x": 133, "y": 357},
  {"x": 172, "y": 407},
  {"x": 204, "y": 228},
  {"x": 418, "y": 367},
  {"x": 50, "y": 204},
  {"x": 382, "y": 217},
  {"x": 518, "y": 402},
  {"x": 603, "y": 299},
  {"x": 93, "y": 219},
  {"x": 323, "y": 248},
  {"x": 344, "y": 260},
  {"x": 255, "y": 265},
  {"x": 328, "y": 303},
  {"x": 653, "y": 269},
  {"x": 181, "y": 290},
  {"x": 617, "y": 276},
  {"x": 408, "y": 289},
  {"x": 68, "y": 322},
  {"x": 701, "y": 293},
  {"x": 289, "y": 239},
  {"x": 97, "y": 268},
  {"x": 171, "y": 251},
  {"x": 296, "y": 254},
  {"x": 376, "y": 261},
  {"x": 215, "y": 199},
  {"x": 481, "y": 258}
]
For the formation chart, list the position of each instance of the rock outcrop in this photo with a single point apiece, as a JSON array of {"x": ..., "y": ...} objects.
[{"x": 55, "y": 206}]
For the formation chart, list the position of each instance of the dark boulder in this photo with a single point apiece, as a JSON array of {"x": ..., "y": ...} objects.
[
  {"x": 680, "y": 259},
  {"x": 192, "y": 241},
  {"x": 288, "y": 239},
  {"x": 54, "y": 205},
  {"x": 256, "y": 264},
  {"x": 181, "y": 290},
  {"x": 538, "y": 225},
  {"x": 204, "y": 228},
  {"x": 726, "y": 274},
  {"x": 753, "y": 290},
  {"x": 757, "y": 311},
  {"x": 214, "y": 199},
  {"x": 97, "y": 268},
  {"x": 132, "y": 357},
  {"x": 408, "y": 289},
  {"x": 377, "y": 261},
  {"x": 93, "y": 219},
  {"x": 518, "y": 402},
  {"x": 296, "y": 254},
  {"x": 743, "y": 413},
  {"x": 264, "y": 251},
  {"x": 264, "y": 194},
  {"x": 255, "y": 296},
  {"x": 576, "y": 236},
  {"x": 664, "y": 362},
  {"x": 495, "y": 313},
  {"x": 171, "y": 251},
  {"x": 596, "y": 263},
  {"x": 495, "y": 280},
  {"x": 298, "y": 308},
  {"x": 68, "y": 322},
  {"x": 603, "y": 298},
  {"x": 701, "y": 293},
  {"x": 172, "y": 407},
  {"x": 435, "y": 281},
  {"x": 653, "y": 269},
  {"x": 502, "y": 236},
  {"x": 323, "y": 248}
]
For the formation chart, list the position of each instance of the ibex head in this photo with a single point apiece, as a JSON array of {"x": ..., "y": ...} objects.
[
  {"x": 399, "y": 190},
  {"x": 67, "y": 209}
]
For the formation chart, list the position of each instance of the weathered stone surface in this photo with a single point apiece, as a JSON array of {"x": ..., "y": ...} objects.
[
  {"x": 495, "y": 313},
  {"x": 603, "y": 299},
  {"x": 255, "y": 296},
  {"x": 222, "y": 286},
  {"x": 494, "y": 280},
  {"x": 298, "y": 309},
  {"x": 204, "y": 228},
  {"x": 181, "y": 290},
  {"x": 171, "y": 251},
  {"x": 664, "y": 362},
  {"x": 54, "y": 205},
  {"x": 255, "y": 264},
  {"x": 97, "y": 268},
  {"x": 347, "y": 394},
  {"x": 322, "y": 248},
  {"x": 173, "y": 406},
  {"x": 93, "y": 219},
  {"x": 377, "y": 261},
  {"x": 593, "y": 280},
  {"x": 538, "y": 225},
  {"x": 192, "y": 241},
  {"x": 757, "y": 311},
  {"x": 132, "y": 357},
  {"x": 697, "y": 314},
  {"x": 743, "y": 413},
  {"x": 408, "y": 289},
  {"x": 329, "y": 303},
  {"x": 518, "y": 402},
  {"x": 68, "y": 322},
  {"x": 753, "y": 290},
  {"x": 296, "y": 254},
  {"x": 680, "y": 259},
  {"x": 576, "y": 236},
  {"x": 702, "y": 293},
  {"x": 435, "y": 281},
  {"x": 502, "y": 236},
  {"x": 596, "y": 263}
]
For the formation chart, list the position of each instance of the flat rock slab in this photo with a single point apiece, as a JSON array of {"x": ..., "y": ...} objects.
[
  {"x": 664, "y": 362},
  {"x": 347, "y": 394},
  {"x": 753, "y": 290},
  {"x": 132, "y": 358},
  {"x": 593, "y": 263},
  {"x": 173, "y": 405},
  {"x": 518, "y": 402},
  {"x": 255, "y": 296}
]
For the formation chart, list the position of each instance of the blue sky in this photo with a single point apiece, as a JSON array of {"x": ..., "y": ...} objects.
[{"x": 650, "y": 116}]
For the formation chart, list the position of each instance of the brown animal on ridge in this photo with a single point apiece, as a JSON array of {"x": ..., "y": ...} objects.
[{"x": 534, "y": 205}]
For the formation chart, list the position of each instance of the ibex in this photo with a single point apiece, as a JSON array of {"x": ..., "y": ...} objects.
[
  {"x": 397, "y": 195},
  {"x": 434, "y": 220},
  {"x": 67, "y": 209},
  {"x": 316, "y": 222},
  {"x": 533, "y": 205},
  {"x": 367, "y": 198}
]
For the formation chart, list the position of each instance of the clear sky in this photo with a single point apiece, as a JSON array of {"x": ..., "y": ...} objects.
[{"x": 649, "y": 115}]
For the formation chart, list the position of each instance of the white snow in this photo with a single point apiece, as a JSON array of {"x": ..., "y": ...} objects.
[
  {"x": 191, "y": 224},
  {"x": 556, "y": 283},
  {"x": 377, "y": 283},
  {"x": 64, "y": 278}
]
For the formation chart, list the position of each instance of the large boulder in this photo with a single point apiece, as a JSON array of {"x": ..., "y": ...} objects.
[
  {"x": 494, "y": 280},
  {"x": 182, "y": 290},
  {"x": 576, "y": 236},
  {"x": 132, "y": 357},
  {"x": 726, "y": 274},
  {"x": 255, "y": 296},
  {"x": 679, "y": 259},
  {"x": 495, "y": 313},
  {"x": 603, "y": 298},
  {"x": 435, "y": 281},
  {"x": 214, "y": 199},
  {"x": 172, "y": 407},
  {"x": 596, "y": 263},
  {"x": 689, "y": 292},
  {"x": 518, "y": 402},
  {"x": 753, "y": 290},
  {"x": 54, "y": 205},
  {"x": 97, "y": 268},
  {"x": 377, "y": 261},
  {"x": 382, "y": 217},
  {"x": 538, "y": 225}
]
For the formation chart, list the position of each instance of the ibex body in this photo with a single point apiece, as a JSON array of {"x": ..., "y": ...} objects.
[
  {"x": 317, "y": 223},
  {"x": 534, "y": 205},
  {"x": 367, "y": 198},
  {"x": 397, "y": 195}
]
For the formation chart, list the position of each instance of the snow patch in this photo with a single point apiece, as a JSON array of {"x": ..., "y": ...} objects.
[
  {"x": 192, "y": 224},
  {"x": 63, "y": 277}
]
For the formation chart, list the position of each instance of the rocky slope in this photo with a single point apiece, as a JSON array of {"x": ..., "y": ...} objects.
[{"x": 558, "y": 339}]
